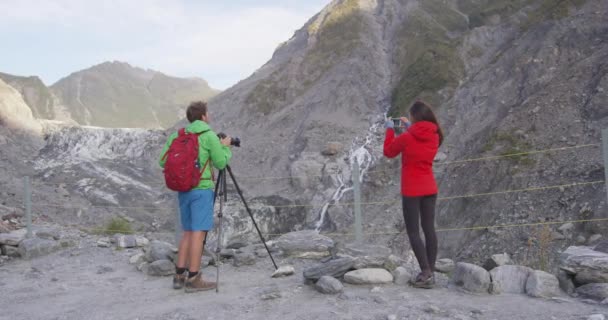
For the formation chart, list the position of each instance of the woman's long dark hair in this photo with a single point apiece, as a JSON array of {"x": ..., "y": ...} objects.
[{"x": 420, "y": 111}]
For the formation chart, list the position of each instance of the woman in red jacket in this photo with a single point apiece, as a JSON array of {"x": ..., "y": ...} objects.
[{"x": 418, "y": 146}]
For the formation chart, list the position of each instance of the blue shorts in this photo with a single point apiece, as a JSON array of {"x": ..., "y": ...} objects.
[{"x": 196, "y": 210}]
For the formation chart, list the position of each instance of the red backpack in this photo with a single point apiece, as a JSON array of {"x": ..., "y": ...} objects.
[{"x": 181, "y": 162}]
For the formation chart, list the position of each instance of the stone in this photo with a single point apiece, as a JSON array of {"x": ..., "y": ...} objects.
[
  {"x": 243, "y": 259},
  {"x": 497, "y": 260},
  {"x": 440, "y": 157},
  {"x": 10, "y": 251},
  {"x": 48, "y": 234},
  {"x": 541, "y": 284},
  {"x": 445, "y": 265},
  {"x": 329, "y": 285},
  {"x": 137, "y": 258},
  {"x": 596, "y": 317},
  {"x": 566, "y": 228},
  {"x": 143, "y": 266},
  {"x": 401, "y": 276},
  {"x": 566, "y": 282},
  {"x": 393, "y": 262},
  {"x": 595, "y": 291},
  {"x": 366, "y": 255},
  {"x": 368, "y": 276},
  {"x": 588, "y": 265},
  {"x": 335, "y": 268},
  {"x": 305, "y": 244},
  {"x": 236, "y": 245},
  {"x": 332, "y": 149},
  {"x": 509, "y": 279},
  {"x": 141, "y": 241},
  {"x": 580, "y": 240},
  {"x": 471, "y": 278},
  {"x": 33, "y": 248},
  {"x": 159, "y": 250},
  {"x": 161, "y": 268},
  {"x": 13, "y": 238},
  {"x": 227, "y": 253},
  {"x": 602, "y": 246},
  {"x": 103, "y": 242},
  {"x": 284, "y": 271},
  {"x": 594, "y": 239},
  {"x": 125, "y": 241}
]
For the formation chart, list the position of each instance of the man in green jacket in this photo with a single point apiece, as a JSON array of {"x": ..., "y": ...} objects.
[{"x": 196, "y": 205}]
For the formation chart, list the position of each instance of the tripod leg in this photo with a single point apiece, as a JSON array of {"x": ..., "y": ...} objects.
[
  {"x": 217, "y": 186},
  {"x": 238, "y": 189},
  {"x": 223, "y": 197}
]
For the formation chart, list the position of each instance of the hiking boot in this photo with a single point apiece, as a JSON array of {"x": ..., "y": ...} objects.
[
  {"x": 178, "y": 281},
  {"x": 422, "y": 282},
  {"x": 197, "y": 284}
]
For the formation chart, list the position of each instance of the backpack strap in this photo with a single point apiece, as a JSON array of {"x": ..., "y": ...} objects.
[{"x": 206, "y": 163}]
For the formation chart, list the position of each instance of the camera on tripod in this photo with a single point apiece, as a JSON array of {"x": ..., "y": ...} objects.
[{"x": 235, "y": 141}]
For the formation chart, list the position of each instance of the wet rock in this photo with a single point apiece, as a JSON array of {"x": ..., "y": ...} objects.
[
  {"x": 445, "y": 265},
  {"x": 329, "y": 285},
  {"x": 161, "y": 268},
  {"x": 335, "y": 268},
  {"x": 368, "y": 276},
  {"x": 33, "y": 248},
  {"x": 366, "y": 255},
  {"x": 471, "y": 278},
  {"x": 509, "y": 279},
  {"x": 497, "y": 260},
  {"x": 305, "y": 244},
  {"x": 541, "y": 284}
]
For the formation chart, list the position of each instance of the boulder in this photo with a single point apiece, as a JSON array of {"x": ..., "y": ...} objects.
[
  {"x": 159, "y": 250},
  {"x": 305, "y": 244},
  {"x": 509, "y": 279},
  {"x": 161, "y": 268},
  {"x": 471, "y": 278},
  {"x": 137, "y": 258},
  {"x": 588, "y": 266},
  {"x": 368, "y": 276},
  {"x": 594, "y": 239},
  {"x": 13, "y": 238},
  {"x": 329, "y": 285},
  {"x": 335, "y": 268},
  {"x": 48, "y": 233},
  {"x": 10, "y": 251},
  {"x": 595, "y": 291},
  {"x": 34, "y": 247},
  {"x": 445, "y": 265},
  {"x": 103, "y": 242},
  {"x": 541, "y": 284},
  {"x": 366, "y": 255},
  {"x": 284, "y": 271},
  {"x": 125, "y": 241},
  {"x": 141, "y": 241},
  {"x": 243, "y": 259},
  {"x": 497, "y": 260},
  {"x": 401, "y": 276}
]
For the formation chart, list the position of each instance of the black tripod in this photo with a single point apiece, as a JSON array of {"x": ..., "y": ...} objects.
[{"x": 221, "y": 191}]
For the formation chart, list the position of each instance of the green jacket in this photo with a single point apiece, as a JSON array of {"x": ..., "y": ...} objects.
[{"x": 209, "y": 146}]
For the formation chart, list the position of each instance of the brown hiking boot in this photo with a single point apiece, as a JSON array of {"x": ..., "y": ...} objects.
[
  {"x": 178, "y": 281},
  {"x": 197, "y": 284}
]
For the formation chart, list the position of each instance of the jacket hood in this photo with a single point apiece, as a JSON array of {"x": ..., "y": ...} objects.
[
  {"x": 423, "y": 130},
  {"x": 198, "y": 126}
]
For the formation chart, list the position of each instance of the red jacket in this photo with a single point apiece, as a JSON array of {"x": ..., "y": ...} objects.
[{"x": 419, "y": 145}]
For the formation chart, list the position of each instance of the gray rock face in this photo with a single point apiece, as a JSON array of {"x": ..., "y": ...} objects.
[
  {"x": 445, "y": 265},
  {"x": 32, "y": 248},
  {"x": 159, "y": 250},
  {"x": 243, "y": 259},
  {"x": 541, "y": 284},
  {"x": 13, "y": 238},
  {"x": 588, "y": 266},
  {"x": 497, "y": 260},
  {"x": 595, "y": 291},
  {"x": 471, "y": 278},
  {"x": 366, "y": 255},
  {"x": 401, "y": 276},
  {"x": 509, "y": 279},
  {"x": 161, "y": 268},
  {"x": 305, "y": 244},
  {"x": 329, "y": 285},
  {"x": 368, "y": 276},
  {"x": 335, "y": 268}
]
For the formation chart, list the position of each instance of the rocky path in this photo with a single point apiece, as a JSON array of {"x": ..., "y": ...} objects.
[{"x": 89, "y": 282}]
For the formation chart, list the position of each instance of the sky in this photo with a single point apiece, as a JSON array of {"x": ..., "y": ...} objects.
[{"x": 222, "y": 41}]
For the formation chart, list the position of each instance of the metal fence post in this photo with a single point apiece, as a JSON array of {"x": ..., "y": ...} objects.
[
  {"x": 27, "y": 198},
  {"x": 357, "y": 191},
  {"x": 605, "y": 152}
]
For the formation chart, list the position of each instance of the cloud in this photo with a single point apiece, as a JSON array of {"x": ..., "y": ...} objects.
[{"x": 220, "y": 41}]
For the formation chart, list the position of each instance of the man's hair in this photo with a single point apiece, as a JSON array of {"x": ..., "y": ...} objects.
[{"x": 196, "y": 110}]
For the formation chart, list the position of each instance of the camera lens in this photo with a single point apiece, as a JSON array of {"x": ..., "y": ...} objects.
[{"x": 236, "y": 142}]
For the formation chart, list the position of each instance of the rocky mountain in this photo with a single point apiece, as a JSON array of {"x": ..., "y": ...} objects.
[
  {"x": 504, "y": 77},
  {"x": 112, "y": 94}
]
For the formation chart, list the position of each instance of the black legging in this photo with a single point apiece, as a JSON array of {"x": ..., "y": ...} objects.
[{"x": 413, "y": 209}]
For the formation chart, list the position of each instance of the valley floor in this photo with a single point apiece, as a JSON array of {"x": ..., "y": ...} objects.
[{"x": 88, "y": 282}]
